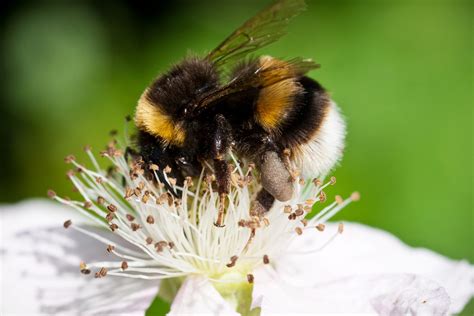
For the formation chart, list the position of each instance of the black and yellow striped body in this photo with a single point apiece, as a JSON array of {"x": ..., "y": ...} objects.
[{"x": 267, "y": 117}]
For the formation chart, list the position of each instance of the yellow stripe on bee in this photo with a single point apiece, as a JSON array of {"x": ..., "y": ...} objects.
[
  {"x": 276, "y": 100},
  {"x": 153, "y": 120}
]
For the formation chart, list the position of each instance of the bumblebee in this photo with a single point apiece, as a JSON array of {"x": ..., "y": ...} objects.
[{"x": 265, "y": 109}]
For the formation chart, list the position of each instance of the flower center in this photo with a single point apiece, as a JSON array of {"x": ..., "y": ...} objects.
[{"x": 165, "y": 237}]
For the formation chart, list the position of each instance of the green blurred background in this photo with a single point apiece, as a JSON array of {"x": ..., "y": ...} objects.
[{"x": 402, "y": 71}]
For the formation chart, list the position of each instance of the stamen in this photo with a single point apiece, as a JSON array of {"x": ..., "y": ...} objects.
[
  {"x": 148, "y": 216},
  {"x": 320, "y": 227},
  {"x": 101, "y": 273},
  {"x": 266, "y": 260},
  {"x": 150, "y": 219},
  {"x": 83, "y": 268},
  {"x": 51, "y": 194},
  {"x": 67, "y": 223},
  {"x": 250, "y": 278},
  {"x": 233, "y": 260},
  {"x": 124, "y": 265}
]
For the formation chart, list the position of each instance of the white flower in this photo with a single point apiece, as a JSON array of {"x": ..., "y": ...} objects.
[{"x": 150, "y": 236}]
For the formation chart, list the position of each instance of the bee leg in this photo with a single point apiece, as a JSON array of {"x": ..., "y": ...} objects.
[
  {"x": 220, "y": 148},
  {"x": 262, "y": 203},
  {"x": 222, "y": 170}
]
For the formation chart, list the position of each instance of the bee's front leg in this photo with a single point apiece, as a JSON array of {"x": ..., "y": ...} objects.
[{"x": 220, "y": 148}]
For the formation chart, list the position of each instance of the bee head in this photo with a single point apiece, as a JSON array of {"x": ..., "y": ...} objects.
[{"x": 170, "y": 101}]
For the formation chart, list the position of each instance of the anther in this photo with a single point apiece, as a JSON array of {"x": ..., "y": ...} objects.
[
  {"x": 130, "y": 217},
  {"x": 150, "y": 219},
  {"x": 87, "y": 148},
  {"x": 266, "y": 222},
  {"x": 110, "y": 248},
  {"x": 137, "y": 192},
  {"x": 69, "y": 158},
  {"x": 128, "y": 193},
  {"x": 103, "y": 153},
  {"x": 287, "y": 209},
  {"x": 250, "y": 278},
  {"x": 135, "y": 226},
  {"x": 298, "y": 230},
  {"x": 67, "y": 223},
  {"x": 339, "y": 199},
  {"x": 172, "y": 181},
  {"x": 145, "y": 197},
  {"x": 340, "y": 228},
  {"x": 113, "y": 227},
  {"x": 304, "y": 221},
  {"x": 70, "y": 173},
  {"x": 51, "y": 194},
  {"x": 112, "y": 208},
  {"x": 301, "y": 181},
  {"x": 189, "y": 181},
  {"x": 110, "y": 216},
  {"x": 233, "y": 260},
  {"x": 99, "y": 180},
  {"x": 266, "y": 260},
  {"x": 101, "y": 273},
  {"x": 149, "y": 240},
  {"x": 317, "y": 182},
  {"x": 299, "y": 212},
  {"x": 83, "y": 268},
  {"x": 320, "y": 227},
  {"x": 355, "y": 196},
  {"x": 124, "y": 265},
  {"x": 158, "y": 247},
  {"x": 333, "y": 180},
  {"x": 322, "y": 197},
  {"x": 87, "y": 204},
  {"x": 171, "y": 245},
  {"x": 100, "y": 200},
  {"x": 167, "y": 169},
  {"x": 153, "y": 167}
]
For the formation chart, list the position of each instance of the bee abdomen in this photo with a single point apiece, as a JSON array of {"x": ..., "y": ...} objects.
[{"x": 315, "y": 131}]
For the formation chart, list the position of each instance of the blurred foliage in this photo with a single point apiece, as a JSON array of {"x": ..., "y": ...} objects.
[{"x": 402, "y": 71}]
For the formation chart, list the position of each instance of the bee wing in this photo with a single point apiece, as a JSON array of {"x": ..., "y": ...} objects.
[
  {"x": 263, "y": 29},
  {"x": 269, "y": 72}
]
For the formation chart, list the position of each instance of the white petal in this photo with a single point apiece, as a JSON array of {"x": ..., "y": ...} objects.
[
  {"x": 400, "y": 294},
  {"x": 197, "y": 296},
  {"x": 366, "y": 252},
  {"x": 40, "y": 273}
]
